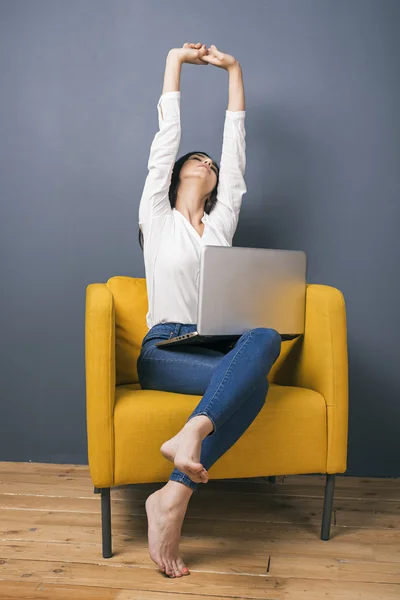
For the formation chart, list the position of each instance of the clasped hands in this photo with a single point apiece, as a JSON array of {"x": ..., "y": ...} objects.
[{"x": 199, "y": 54}]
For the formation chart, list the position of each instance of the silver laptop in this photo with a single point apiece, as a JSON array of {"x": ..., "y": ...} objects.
[{"x": 244, "y": 288}]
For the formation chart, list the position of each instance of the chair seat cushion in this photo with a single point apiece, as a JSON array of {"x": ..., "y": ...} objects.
[{"x": 287, "y": 437}]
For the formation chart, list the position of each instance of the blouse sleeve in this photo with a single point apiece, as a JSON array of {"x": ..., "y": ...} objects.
[
  {"x": 164, "y": 148},
  {"x": 231, "y": 184}
]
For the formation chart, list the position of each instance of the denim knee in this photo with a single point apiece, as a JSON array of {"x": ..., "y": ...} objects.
[{"x": 273, "y": 337}]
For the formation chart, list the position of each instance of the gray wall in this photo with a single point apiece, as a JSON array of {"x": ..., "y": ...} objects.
[{"x": 79, "y": 85}]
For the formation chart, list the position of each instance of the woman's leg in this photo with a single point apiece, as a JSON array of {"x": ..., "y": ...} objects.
[
  {"x": 194, "y": 371},
  {"x": 228, "y": 381},
  {"x": 235, "y": 395},
  {"x": 214, "y": 446},
  {"x": 164, "y": 369}
]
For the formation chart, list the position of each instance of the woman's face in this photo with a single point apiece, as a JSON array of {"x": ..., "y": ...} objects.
[{"x": 202, "y": 167}]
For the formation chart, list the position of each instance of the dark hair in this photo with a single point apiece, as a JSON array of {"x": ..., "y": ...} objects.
[{"x": 173, "y": 188}]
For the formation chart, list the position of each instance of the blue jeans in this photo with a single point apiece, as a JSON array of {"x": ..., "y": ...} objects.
[{"x": 231, "y": 377}]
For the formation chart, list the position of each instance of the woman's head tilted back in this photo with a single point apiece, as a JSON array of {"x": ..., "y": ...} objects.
[{"x": 187, "y": 176}]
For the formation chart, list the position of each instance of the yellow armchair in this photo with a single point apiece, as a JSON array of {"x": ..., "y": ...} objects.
[{"x": 301, "y": 429}]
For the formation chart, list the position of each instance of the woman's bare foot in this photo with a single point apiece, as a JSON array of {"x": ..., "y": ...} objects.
[
  {"x": 169, "y": 448},
  {"x": 184, "y": 451},
  {"x": 166, "y": 509}
]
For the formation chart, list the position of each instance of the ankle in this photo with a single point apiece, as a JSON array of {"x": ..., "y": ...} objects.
[
  {"x": 201, "y": 425},
  {"x": 176, "y": 494}
]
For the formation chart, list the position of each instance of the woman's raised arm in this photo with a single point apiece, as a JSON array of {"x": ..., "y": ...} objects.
[
  {"x": 155, "y": 200},
  {"x": 164, "y": 148},
  {"x": 231, "y": 184}
]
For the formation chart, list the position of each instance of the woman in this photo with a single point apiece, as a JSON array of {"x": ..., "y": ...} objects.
[{"x": 185, "y": 205}]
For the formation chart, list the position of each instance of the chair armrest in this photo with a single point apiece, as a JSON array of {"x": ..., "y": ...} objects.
[
  {"x": 319, "y": 361},
  {"x": 100, "y": 382}
]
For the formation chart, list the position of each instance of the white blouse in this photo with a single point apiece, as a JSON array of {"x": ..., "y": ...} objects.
[{"x": 172, "y": 245}]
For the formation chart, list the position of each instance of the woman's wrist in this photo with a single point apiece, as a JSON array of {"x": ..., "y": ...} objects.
[
  {"x": 175, "y": 54},
  {"x": 235, "y": 67}
]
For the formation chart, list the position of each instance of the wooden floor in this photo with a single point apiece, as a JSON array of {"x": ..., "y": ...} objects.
[{"x": 240, "y": 539}]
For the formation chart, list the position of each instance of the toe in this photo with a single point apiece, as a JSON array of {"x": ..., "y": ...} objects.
[
  {"x": 177, "y": 569},
  {"x": 182, "y": 567},
  {"x": 204, "y": 476}
]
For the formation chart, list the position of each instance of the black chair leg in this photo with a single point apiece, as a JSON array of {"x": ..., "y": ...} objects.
[
  {"x": 97, "y": 490},
  {"x": 328, "y": 506},
  {"x": 106, "y": 522}
]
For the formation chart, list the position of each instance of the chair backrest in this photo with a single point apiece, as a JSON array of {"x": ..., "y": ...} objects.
[{"x": 131, "y": 305}]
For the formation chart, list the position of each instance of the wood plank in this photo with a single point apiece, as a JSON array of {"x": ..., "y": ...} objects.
[
  {"x": 43, "y": 468},
  {"x": 319, "y": 567},
  {"x": 349, "y": 513},
  {"x": 63, "y": 470},
  {"x": 287, "y": 589},
  {"x": 218, "y": 583},
  {"x": 82, "y": 489},
  {"x": 74, "y": 527},
  {"x": 48, "y": 591},
  {"x": 342, "y": 480},
  {"x": 139, "y": 578},
  {"x": 10, "y": 590},
  {"x": 53, "y": 530},
  {"x": 228, "y": 558},
  {"x": 135, "y": 498},
  {"x": 252, "y": 558},
  {"x": 275, "y": 542}
]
